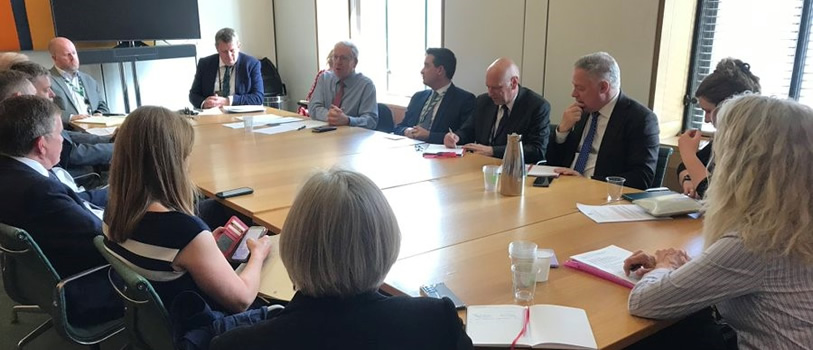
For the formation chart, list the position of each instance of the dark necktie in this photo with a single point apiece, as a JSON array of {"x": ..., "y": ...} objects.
[
  {"x": 337, "y": 100},
  {"x": 225, "y": 90},
  {"x": 587, "y": 145},
  {"x": 426, "y": 115},
  {"x": 498, "y": 126}
]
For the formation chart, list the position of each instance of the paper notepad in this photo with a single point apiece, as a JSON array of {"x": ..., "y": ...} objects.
[
  {"x": 439, "y": 149},
  {"x": 615, "y": 213},
  {"x": 549, "y": 326},
  {"x": 541, "y": 170},
  {"x": 606, "y": 263},
  {"x": 108, "y": 121},
  {"x": 274, "y": 281}
]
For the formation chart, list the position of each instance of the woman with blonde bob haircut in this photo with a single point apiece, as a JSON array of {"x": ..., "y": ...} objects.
[
  {"x": 150, "y": 221},
  {"x": 338, "y": 243},
  {"x": 757, "y": 267}
]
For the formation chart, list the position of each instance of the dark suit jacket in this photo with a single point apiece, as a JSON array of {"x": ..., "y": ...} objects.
[
  {"x": 81, "y": 151},
  {"x": 52, "y": 214},
  {"x": 366, "y": 321},
  {"x": 248, "y": 81},
  {"x": 529, "y": 117},
  {"x": 629, "y": 148},
  {"x": 455, "y": 108},
  {"x": 62, "y": 93}
]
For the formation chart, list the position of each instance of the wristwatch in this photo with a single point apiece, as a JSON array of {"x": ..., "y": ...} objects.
[{"x": 686, "y": 178}]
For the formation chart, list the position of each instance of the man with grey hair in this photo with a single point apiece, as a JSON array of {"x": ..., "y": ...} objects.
[
  {"x": 227, "y": 78},
  {"x": 342, "y": 96},
  {"x": 604, "y": 132},
  {"x": 505, "y": 109}
]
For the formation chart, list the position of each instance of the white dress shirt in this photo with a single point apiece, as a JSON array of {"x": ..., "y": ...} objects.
[
  {"x": 500, "y": 115},
  {"x": 603, "y": 119},
  {"x": 73, "y": 83},
  {"x": 221, "y": 72}
]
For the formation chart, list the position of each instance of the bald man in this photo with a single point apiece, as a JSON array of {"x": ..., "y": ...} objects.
[
  {"x": 76, "y": 93},
  {"x": 507, "y": 108}
]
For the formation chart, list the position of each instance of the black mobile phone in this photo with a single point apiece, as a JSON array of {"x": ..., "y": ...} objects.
[
  {"x": 235, "y": 192},
  {"x": 439, "y": 290},
  {"x": 323, "y": 128},
  {"x": 543, "y": 181},
  {"x": 241, "y": 253}
]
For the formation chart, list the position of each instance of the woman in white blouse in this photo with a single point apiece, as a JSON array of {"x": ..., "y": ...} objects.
[{"x": 757, "y": 268}]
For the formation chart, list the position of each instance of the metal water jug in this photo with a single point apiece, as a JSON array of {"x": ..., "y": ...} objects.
[{"x": 512, "y": 179}]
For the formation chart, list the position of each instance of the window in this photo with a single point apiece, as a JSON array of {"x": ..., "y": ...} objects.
[
  {"x": 392, "y": 36},
  {"x": 765, "y": 34}
]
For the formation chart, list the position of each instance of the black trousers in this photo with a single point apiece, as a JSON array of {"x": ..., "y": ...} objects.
[{"x": 699, "y": 331}]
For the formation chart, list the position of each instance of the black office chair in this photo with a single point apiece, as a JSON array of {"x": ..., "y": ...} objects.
[
  {"x": 664, "y": 153},
  {"x": 385, "y": 122}
]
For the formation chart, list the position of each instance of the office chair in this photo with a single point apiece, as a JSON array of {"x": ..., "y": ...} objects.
[{"x": 385, "y": 122}]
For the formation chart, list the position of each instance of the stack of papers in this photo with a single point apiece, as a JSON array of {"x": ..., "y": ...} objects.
[
  {"x": 263, "y": 120},
  {"x": 108, "y": 121},
  {"x": 615, "y": 213},
  {"x": 243, "y": 109},
  {"x": 542, "y": 170},
  {"x": 307, "y": 124},
  {"x": 441, "y": 149}
]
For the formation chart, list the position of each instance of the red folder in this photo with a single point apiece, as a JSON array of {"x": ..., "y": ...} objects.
[{"x": 573, "y": 264}]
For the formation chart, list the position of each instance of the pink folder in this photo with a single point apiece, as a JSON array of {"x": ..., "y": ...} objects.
[{"x": 573, "y": 264}]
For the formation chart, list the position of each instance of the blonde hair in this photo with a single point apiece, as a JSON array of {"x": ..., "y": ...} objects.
[
  {"x": 8, "y": 59},
  {"x": 762, "y": 186},
  {"x": 149, "y": 165},
  {"x": 341, "y": 236}
]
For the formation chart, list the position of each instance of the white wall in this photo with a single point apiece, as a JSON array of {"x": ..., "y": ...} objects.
[
  {"x": 296, "y": 44},
  {"x": 167, "y": 82}
]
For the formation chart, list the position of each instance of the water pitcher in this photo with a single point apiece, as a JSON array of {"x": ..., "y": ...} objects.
[{"x": 512, "y": 179}]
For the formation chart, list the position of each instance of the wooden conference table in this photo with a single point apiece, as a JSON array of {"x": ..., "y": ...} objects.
[{"x": 452, "y": 230}]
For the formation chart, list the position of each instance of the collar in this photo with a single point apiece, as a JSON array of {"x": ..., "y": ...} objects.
[
  {"x": 607, "y": 110},
  {"x": 221, "y": 65},
  {"x": 65, "y": 74},
  {"x": 33, "y": 164},
  {"x": 301, "y": 300},
  {"x": 510, "y": 104},
  {"x": 443, "y": 89},
  {"x": 347, "y": 81}
]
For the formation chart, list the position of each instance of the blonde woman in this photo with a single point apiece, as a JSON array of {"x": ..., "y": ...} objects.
[
  {"x": 150, "y": 222},
  {"x": 339, "y": 241},
  {"x": 758, "y": 264},
  {"x": 8, "y": 59}
]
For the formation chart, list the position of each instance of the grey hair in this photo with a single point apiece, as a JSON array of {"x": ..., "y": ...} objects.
[
  {"x": 226, "y": 35},
  {"x": 351, "y": 46},
  {"x": 602, "y": 66},
  {"x": 14, "y": 82},
  {"x": 23, "y": 119},
  {"x": 341, "y": 236}
]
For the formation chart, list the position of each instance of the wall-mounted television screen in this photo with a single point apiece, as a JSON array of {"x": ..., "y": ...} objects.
[{"x": 126, "y": 20}]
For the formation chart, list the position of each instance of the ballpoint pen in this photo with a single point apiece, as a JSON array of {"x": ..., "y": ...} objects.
[{"x": 300, "y": 128}]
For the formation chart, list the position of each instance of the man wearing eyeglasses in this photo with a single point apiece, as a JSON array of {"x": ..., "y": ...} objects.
[
  {"x": 227, "y": 78},
  {"x": 342, "y": 96}
]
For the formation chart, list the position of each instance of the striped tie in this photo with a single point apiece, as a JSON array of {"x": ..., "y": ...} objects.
[
  {"x": 426, "y": 119},
  {"x": 581, "y": 163}
]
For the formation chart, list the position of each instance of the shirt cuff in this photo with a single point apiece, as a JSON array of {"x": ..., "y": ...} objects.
[
  {"x": 231, "y": 98},
  {"x": 561, "y": 136},
  {"x": 352, "y": 121}
]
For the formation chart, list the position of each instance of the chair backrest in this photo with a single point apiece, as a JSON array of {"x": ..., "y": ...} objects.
[
  {"x": 660, "y": 168},
  {"x": 145, "y": 318},
  {"x": 28, "y": 276},
  {"x": 385, "y": 122}
]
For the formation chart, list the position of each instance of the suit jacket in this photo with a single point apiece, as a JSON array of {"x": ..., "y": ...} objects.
[
  {"x": 62, "y": 95},
  {"x": 52, "y": 214},
  {"x": 455, "y": 108},
  {"x": 81, "y": 151},
  {"x": 529, "y": 117},
  {"x": 248, "y": 81},
  {"x": 366, "y": 321},
  {"x": 629, "y": 148}
]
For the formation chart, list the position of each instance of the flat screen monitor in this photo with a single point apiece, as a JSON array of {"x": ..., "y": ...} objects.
[{"x": 126, "y": 20}]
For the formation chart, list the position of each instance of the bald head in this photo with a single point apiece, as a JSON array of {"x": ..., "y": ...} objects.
[
  {"x": 63, "y": 53},
  {"x": 502, "y": 81}
]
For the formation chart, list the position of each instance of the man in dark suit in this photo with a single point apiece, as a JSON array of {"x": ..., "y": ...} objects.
[
  {"x": 432, "y": 113},
  {"x": 62, "y": 222},
  {"x": 75, "y": 92},
  {"x": 228, "y": 78},
  {"x": 507, "y": 108},
  {"x": 81, "y": 152},
  {"x": 621, "y": 134}
]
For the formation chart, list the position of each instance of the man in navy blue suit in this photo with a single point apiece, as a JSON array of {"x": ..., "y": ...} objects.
[
  {"x": 61, "y": 221},
  {"x": 431, "y": 113},
  {"x": 228, "y": 78}
]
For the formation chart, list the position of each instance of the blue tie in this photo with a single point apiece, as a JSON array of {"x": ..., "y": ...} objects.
[{"x": 581, "y": 163}]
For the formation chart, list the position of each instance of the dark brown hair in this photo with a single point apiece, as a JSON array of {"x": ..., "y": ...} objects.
[{"x": 730, "y": 77}]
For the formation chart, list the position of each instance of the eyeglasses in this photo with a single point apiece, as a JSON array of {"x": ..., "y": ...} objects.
[{"x": 342, "y": 58}]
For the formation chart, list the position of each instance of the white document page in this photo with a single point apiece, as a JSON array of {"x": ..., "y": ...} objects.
[
  {"x": 495, "y": 325},
  {"x": 541, "y": 170},
  {"x": 263, "y": 120},
  {"x": 609, "y": 259},
  {"x": 615, "y": 213},
  {"x": 434, "y": 149},
  {"x": 109, "y": 121},
  {"x": 307, "y": 124},
  {"x": 560, "y": 327},
  {"x": 102, "y": 131},
  {"x": 244, "y": 109}
]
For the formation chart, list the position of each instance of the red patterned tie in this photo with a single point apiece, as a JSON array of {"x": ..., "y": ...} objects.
[{"x": 337, "y": 100}]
